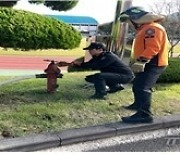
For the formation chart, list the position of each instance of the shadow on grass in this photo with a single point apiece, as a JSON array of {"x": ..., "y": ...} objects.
[{"x": 77, "y": 94}]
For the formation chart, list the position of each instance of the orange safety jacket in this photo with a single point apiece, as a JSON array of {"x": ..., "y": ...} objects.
[{"x": 151, "y": 40}]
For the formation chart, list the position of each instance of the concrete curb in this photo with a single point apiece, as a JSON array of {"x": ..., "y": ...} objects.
[{"x": 50, "y": 140}]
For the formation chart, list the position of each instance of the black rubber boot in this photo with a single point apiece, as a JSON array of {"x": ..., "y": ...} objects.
[
  {"x": 115, "y": 88},
  {"x": 139, "y": 117},
  {"x": 100, "y": 86},
  {"x": 143, "y": 115},
  {"x": 132, "y": 107},
  {"x": 146, "y": 99}
]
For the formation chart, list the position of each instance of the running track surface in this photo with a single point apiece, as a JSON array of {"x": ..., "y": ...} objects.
[{"x": 29, "y": 62}]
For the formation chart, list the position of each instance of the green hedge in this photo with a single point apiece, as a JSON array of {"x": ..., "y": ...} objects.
[
  {"x": 172, "y": 73},
  {"x": 21, "y": 29}
]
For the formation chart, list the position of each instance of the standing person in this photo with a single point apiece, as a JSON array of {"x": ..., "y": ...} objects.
[
  {"x": 150, "y": 60},
  {"x": 113, "y": 72}
]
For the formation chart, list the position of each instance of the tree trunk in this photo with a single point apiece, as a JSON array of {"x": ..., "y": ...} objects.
[{"x": 171, "y": 51}]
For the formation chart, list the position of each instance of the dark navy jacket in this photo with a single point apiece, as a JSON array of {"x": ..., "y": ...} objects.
[{"x": 108, "y": 62}]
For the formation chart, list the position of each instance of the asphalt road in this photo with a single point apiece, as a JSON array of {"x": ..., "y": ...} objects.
[
  {"x": 151, "y": 145},
  {"x": 166, "y": 140}
]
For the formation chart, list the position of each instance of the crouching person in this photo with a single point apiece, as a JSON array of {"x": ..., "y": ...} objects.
[{"x": 113, "y": 72}]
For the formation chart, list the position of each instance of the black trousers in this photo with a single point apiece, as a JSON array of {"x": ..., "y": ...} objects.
[
  {"x": 100, "y": 80},
  {"x": 143, "y": 84}
]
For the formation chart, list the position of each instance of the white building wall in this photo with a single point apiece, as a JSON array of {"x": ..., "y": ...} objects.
[{"x": 91, "y": 29}]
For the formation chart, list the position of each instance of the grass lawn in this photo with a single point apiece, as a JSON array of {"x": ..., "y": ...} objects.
[
  {"x": 46, "y": 52},
  {"x": 26, "y": 108}
]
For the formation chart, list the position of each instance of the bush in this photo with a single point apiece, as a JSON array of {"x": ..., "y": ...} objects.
[
  {"x": 25, "y": 30},
  {"x": 172, "y": 73}
]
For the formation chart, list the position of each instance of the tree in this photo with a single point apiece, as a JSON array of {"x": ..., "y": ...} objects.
[
  {"x": 61, "y": 5},
  {"x": 172, "y": 22},
  {"x": 53, "y": 4},
  {"x": 36, "y": 1},
  {"x": 105, "y": 29},
  {"x": 6, "y": 3},
  {"x": 25, "y": 30}
]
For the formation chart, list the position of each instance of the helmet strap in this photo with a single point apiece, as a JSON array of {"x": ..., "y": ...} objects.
[{"x": 136, "y": 26}]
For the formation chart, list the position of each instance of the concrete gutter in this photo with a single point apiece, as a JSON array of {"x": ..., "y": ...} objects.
[{"x": 71, "y": 136}]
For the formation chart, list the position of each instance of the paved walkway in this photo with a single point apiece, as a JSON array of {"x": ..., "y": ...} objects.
[
  {"x": 20, "y": 65},
  {"x": 161, "y": 140}
]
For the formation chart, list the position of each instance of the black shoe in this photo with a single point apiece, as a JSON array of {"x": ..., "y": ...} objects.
[
  {"x": 139, "y": 117},
  {"x": 131, "y": 107},
  {"x": 98, "y": 96},
  {"x": 116, "y": 88}
]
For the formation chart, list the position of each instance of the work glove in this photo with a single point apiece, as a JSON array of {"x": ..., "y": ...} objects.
[{"x": 139, "y": 65}]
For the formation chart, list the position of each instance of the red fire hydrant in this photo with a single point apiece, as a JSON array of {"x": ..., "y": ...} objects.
[{"x": 53, "y": 72}]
